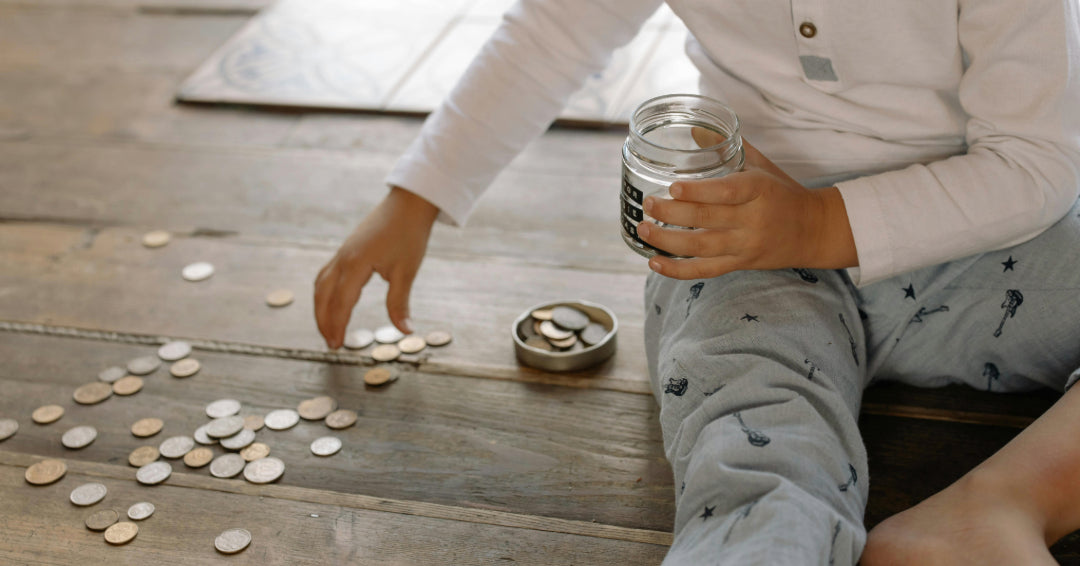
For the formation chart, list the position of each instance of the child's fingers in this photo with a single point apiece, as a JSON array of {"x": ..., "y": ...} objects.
[
  {"x": 694, "y": 268},
  {"x": 397, "y": 300},
  {"x": 737, "y": 188},
  {"x": 690, "y": 243},
  {"x": 337, "y": 291},
  {"x": 691, "y": 214}
]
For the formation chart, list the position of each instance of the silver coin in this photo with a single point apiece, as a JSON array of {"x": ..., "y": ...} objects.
[
  {"x": 232, "y": 541},
  {"x": 176, "y": 446},
  {"x": 154, "y": 473},
  {"x": 550, "y": 331},
  {"x": 227, "y": 465},
  {"x": 357, "y": 339},
  {"x": 225, "y": 427},
  {"x": 88, "y": 494},
  {"x": 388, "y": 334},
  {"x": 176, "y": 350},
  {"x": 8, "y": 428},
  {"x": 223, "y": 408},
  {"x": 197, "y": 271},
  {"x": 202, "y": 438},
  {"x": 111, "y": 374},
  {"x": 239, "y": 441},
  {"x": 140, "y": 511},
  {"x": 143, "y": 365},
  {"x": 569, "y": 318},
  {"x": 326, "y": 446},
  {"x": 594, "y": 333},
  {"x": 79, "y": 437},
  {"x": 264, "y": 470},
  {"x": 281, "y": 419}
]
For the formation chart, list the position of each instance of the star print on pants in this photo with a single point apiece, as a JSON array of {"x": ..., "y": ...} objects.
[
  {"x": 708, "y": 512},
  {"x": 909, "y": 292},
  {"x": 1008, "y": 265},
  {"x": 749, "y": 318}
]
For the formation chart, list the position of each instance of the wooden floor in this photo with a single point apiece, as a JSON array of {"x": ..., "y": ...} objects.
[{"x": 466, "y": 459}]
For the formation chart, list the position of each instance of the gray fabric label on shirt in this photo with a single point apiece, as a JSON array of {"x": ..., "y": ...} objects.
[{"x": 817, "y": 68}]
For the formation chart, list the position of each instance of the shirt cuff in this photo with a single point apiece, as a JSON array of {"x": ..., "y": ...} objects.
[
  {"x": 872, "y": 242},
  {"x": 426, "y": 181}
]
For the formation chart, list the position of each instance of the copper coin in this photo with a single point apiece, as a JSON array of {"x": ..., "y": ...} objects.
[
  {"x": 540, "y": 343},
  {"x": 156, "y": 238},
  {"x": 542, "y": 314},
  {"x": 316, "y": 409},
  {"x": 93, "y": 393},
  {"x": 45, "y": 472},
  {"x": 255, "y": 451},
  {"x": 143, "y": 455},
  {"x": 232, "y": 541},
  {"x": 438, "y": 338},
  {"x": 378, "y": 376},
  {"x": 186, "y": 367},
  {"x": 198, "y": 457},
  {"x": 254, "y": 422},
  {"x": 341, "y": 418},
  {"x": 564, "y": 344},
  {"x": 129, "y": 385},
  {"x": 102, "y": 520},
  {"x": 147, "y": 427},
  {"x": 553, "y": 332},
  {"x": 385, "y": 353},
  {"x": 411, "y": 344},
  {"x": 279, "y": 298},
  {"x": 121, "y": 533},
  {"x": 47, "y": 414}
]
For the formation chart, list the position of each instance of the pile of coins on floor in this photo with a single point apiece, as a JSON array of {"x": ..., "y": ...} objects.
[{"x": 560, "y": 329}]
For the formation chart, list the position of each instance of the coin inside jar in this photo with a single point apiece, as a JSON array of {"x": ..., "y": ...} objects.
[
  {"x": 186, "y": 367},
  {"x": 438, "y": 338},
  {"x": 121, "y": 533},
  {"x": 45, "y": 472},
  {"x": 102, "y": 520},
  {"x": 93, "y": 393},
  {"x": 232, "y": 541},
  {"x": 143, "y": 455},
  {"x": 78, "y": 437},
  {"x": 411, "y": 344},
  {"x": 47, "y": 414},
  {"x": 385, "y": 353},
  {"x": 255, "y": 451},
  {"x": 143, "y": 365},
  {"x": 378, "y": 376},
  {"x": 175, "y": 350},
  {"x": 341, "y": 419},
  {"x": 279, "y": 297},
  {"x": 147, "y": 427},
  {"x": 88, "y": 494},
  {"x": 317, "y": 408},
  {"x": 198, "y": 457},
  {"x": 129, "y": 385}
]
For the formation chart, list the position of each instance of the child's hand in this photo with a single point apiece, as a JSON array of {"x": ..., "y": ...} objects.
[
  {"x": 758, "y": 218},
  {"x": 390, "y": 241}
]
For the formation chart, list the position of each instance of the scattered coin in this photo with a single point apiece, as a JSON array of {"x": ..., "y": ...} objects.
[
  {"x": 593, "y": 334},
  {"x": 8, "y": 428},
  {"x": 539, "y": 343},
  {"x": 378, "y": 376},
  {"x": 569, "y": 318},
  {"x": 239, "y": 441},
  {"x": 186, "y": 367},
  {"x": 198, "y": 457},
  {"x": 78, "y": 437},
  {"x": 144, "y": 428},
  {"x": 224, "y": 427},
  {"x": 102, "y": 520},
  {"x": 253, "y": 422},
  {"x": 232, "y": 541},
  {"x": 317, "y": 408},
  {"x": 197, "y": 271},
  {"x": 326, "y": 446},
  {"x": 255, "y": 451},
  {"x": 154, "y": 473},
  {"x": 264, "y": 470},
  {"x": 143, "y": 365},
  {"x": 340, "y": 419},
  {"x": 202, "y": 438},
  {"x": 140, "y": 511},
  {"x": 357, "y": 339},
  {"x": 47, "y": 414},
  {"x": 143, "y": 455},
  {"x": 176, "y": 446},
  {"x": 282, "y": 419},
  {"x": 542, "y": 314},
  {"x": 279, "y": 298},
  {"x": 388, "y": 334},
  {"x": 175, "y": 350},
  {"x": 227, "y": 465},
  {"x": 128, "y": 385},
  {"x": 411, "y": 344},
  {"x": 93, "y": 393},
  {"x": 222, "y": 408},
  {"x": 45, "y": 472},
  {"x": 111, "y": 374},
  {"x": 438, "y": 338},
  {"x": 385, "y": 353},
  {"x": 156, "y": 238},
  {"x": 88, "y": 494},
  {"x": 121, "y": 533}
]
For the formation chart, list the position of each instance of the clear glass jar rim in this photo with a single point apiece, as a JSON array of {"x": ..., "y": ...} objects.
[{"x": 634, "y": 121}]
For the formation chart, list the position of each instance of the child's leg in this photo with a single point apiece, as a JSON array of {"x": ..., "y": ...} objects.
[{"x": 759, "y": 376}]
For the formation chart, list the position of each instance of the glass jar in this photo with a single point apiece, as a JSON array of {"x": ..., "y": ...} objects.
[{"x": 675, "y": 137}]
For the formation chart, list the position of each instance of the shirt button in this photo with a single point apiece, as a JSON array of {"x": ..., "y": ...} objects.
[{"x": 807, "y": 29}]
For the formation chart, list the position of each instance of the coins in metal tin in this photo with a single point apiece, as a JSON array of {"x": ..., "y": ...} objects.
[
  {"x": 8, "y": 428},
  {"x": 281, "y": 419},
  {"x": 385, "y": 353},
  {"x": 539, "y": 343},
  {"x": 156, "y": 238},
  {"x": 175, "y": 350},
  {"x": 198, "y": 457},
  {"x": 326, "y": 446},
  {"x": 357, "y": 339},
  {"x": 121, "y": 533},
  {"x": 141, "y": 510},
  {"x": 264, "y": 470},
  {"x": 542, "y": 314},
  {"x": 552, "y": 332},
  {"x": 147, "y": 427},
  {"x": 111, "y": 374},
  {"x": 153, "y": 473},
  {"x": 143, "y": 455},
  {"x": 88, "y": 494},
  {"x": 128, "y": 385},
  {"x": 232, "y": 541},
  {"x": 438, "y": 338},
  {"x": 102, "y": 520},
  {"x": 388, "y": 334},
  {"x": 45, "y": 472},
  {"x": 202, "y": 438},
  {"x": 411, "y": 344},
  {"x": 340, "y": 419},
  {"x": 279, "y": 298},
  {"x": 317, "y": 408},
  {"x": 47, "y": 414},
  {"x": 198, "y": 271},
  {"x": 143, "y": 365},
  {"x": 564, "y": 344},
  {"x": 593, "y": 334},
  {"x": 378, "y": 376},
  {"x": 238, "y": 441},
  {"x": 93, "y": 393},
  {"x": 176, "y": 446},
  {"x": 78, "y": 437},
  {"x": 224, "y": 427},
  {"x": 569, "y": 318},
  {"x": 255, "y": 451},
  {"x": 227, "y": 465},
  {"x": 253, "y": 422},
  {"x": 186, "y": 367},
  {"x": 223, "y": 408}
]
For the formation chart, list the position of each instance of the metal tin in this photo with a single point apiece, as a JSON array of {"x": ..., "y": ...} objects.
[{"x": 569, "y": 361}]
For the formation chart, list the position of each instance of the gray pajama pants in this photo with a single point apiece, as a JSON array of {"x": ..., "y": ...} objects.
[{"x": 760, "y": 376}]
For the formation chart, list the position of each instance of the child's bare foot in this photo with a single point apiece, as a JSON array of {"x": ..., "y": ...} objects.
[{"x": 970, "y": 522}]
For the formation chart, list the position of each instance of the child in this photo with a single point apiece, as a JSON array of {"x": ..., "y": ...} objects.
[{"x": 917, "y": 222}]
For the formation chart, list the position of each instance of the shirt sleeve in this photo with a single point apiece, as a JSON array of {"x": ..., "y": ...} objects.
[
  {"x": 542, "y": 53},
  {"x": 1021, "y": 92}
]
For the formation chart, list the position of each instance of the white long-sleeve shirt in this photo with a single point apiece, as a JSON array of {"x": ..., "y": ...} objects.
[{"x": 950, "y": 128}]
